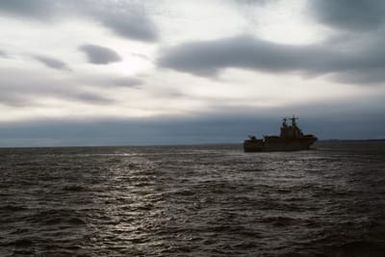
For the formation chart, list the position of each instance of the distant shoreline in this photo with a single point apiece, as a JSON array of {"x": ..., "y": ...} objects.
[{"x": 350, "y": 140}]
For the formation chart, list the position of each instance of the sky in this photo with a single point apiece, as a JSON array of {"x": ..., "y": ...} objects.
[{"x": 143, "y": 72}]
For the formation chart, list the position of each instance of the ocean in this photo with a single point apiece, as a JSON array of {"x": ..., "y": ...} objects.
[{"x": 193, "y": 201}]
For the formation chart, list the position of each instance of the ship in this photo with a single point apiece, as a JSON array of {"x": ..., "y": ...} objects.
[{"x": 290, "y": 139}]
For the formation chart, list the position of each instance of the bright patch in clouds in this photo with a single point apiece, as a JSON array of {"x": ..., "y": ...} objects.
[{"x": 286, "y": 22}]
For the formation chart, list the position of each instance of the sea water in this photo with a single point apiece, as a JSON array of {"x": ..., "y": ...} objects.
[{"x": 193, "y": 201}]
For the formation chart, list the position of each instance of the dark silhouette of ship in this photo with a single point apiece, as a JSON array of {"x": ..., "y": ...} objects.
[{"x": 291, "y": 139}]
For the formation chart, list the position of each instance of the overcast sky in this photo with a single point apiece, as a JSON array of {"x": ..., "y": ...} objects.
[{"x": 102, "y": 72}]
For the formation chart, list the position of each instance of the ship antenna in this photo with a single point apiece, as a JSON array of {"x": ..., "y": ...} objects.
[{"x": 293, "y": 120}]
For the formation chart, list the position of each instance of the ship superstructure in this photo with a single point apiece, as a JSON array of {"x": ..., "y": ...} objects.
[{"x": 290, "y": 139}]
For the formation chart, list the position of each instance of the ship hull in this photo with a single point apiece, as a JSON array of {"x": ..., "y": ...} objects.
[{"x": 277, "y": 145}]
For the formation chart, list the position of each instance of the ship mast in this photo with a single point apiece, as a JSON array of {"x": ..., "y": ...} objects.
[{"x": 294, "y": 121}]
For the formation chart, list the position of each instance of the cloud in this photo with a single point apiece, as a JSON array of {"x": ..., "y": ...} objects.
[
  {"x": 125, "y": 19},
  {"x": 91, "y": 98},
  {"x": 3, "y": 54},
  {"x": 37, "y": 9},
  {"x": 253, "y": 2},
  {"x": 31, "y": 98},
  {"x": 209, "y": 58},
  {"x": 100, "y": 54},
  {"x": 22, "y": 89},
  {"x": 355, "y": 15},
  {"x": 128, "y": 82},
  {"x": 130, "y": 25},
  {"x": 52, "y": 62}
]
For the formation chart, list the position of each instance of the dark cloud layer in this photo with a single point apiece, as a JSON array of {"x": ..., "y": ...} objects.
[
  {"x": 208, "y": 58},
  {"x": 99, "y": 54},
  {"x": 124, "y": 18},
  {"x": 52, "y": 62},
  {"x": 356, "y": 15},
  {"x": 157, "y": 131},
  {"x": 38, "y": 9}
]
